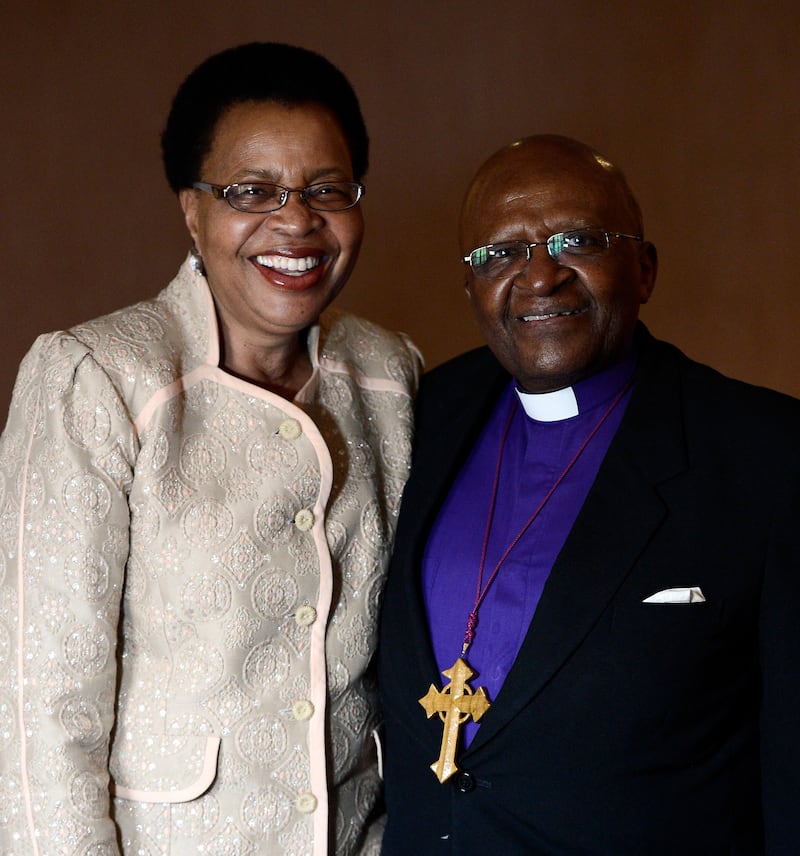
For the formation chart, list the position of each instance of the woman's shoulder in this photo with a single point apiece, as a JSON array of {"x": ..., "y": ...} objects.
[
  {"x": 168, "y": 322},
  {"x": 143, "y": 346},
  {"x": 347, "y": 342}
]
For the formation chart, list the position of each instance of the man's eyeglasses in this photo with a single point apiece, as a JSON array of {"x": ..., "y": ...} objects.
[
  {"x": 260, "y": 197},
  {"x": 510, "y": 257}
]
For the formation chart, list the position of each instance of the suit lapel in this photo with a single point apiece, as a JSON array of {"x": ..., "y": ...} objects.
[
  {"x": 620, "y": 515},
  {"x": 450, "y": 416}
]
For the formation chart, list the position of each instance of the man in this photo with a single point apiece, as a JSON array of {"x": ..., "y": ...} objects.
[{"x": 598, "y": 549}]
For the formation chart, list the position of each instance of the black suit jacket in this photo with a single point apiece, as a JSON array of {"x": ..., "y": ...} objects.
[{"x": 623, "y": 727}]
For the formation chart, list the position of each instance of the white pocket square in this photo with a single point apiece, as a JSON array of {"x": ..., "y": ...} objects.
[{"x": 677, "y": 595}]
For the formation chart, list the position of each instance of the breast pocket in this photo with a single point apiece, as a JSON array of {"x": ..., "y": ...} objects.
[
  {"x": 665, "y": 622},
  {"x": 157, "y": 770}
]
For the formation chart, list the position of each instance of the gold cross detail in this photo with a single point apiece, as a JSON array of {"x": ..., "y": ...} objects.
[{"x": 454, "y": 704}]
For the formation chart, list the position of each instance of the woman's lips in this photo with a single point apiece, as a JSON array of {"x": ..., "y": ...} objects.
[{"x": 293, "y": 273}]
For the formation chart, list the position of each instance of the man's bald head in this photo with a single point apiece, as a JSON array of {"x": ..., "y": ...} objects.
[
  {"x": 548, "y": 156},
  {"x": 570, "y": 268}
]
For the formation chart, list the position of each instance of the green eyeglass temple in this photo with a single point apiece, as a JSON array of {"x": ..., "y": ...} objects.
[{"x": 498, "y": 259}]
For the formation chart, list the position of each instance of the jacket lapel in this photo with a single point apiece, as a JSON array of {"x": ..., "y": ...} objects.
[
  {"x": 449, "y": 418},
  {"x": 620, "y": 514}
]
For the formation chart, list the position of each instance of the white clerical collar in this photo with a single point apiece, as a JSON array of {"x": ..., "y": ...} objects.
[{"x": 550, "y": 406}]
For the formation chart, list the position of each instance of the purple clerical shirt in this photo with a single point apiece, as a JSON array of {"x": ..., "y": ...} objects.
[{"x": 535, "y": 454}]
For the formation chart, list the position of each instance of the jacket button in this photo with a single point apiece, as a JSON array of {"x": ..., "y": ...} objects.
[
  {"x": 304, "y": 519},
  {"x": 305, "y": 803},
  {"x": 465, "y": 782},
  {"x": 305, "y": 616},
  {"x": 290, "y": 429},
  {"x": 302, "y": 709}
]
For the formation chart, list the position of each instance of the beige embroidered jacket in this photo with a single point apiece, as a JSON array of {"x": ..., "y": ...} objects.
[{"x": 189, "y": 584}]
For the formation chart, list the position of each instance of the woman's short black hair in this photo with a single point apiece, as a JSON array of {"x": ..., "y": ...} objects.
[{"x": 260, "y": 71}]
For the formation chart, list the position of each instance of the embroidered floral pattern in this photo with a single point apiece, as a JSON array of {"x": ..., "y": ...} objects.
[{"x": 139, "y": 485}]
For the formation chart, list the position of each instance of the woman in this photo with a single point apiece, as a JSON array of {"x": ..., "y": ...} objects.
[{"x": 199, "y": 495}]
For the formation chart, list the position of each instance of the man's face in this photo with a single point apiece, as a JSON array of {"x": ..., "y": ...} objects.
[{"x": 555, "y": 322}]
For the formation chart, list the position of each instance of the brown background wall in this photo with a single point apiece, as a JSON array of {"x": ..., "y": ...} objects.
[{"x": 698, "y": 101}]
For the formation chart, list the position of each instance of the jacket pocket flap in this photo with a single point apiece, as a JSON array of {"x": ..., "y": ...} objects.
[{"x": 170, "y": 775}]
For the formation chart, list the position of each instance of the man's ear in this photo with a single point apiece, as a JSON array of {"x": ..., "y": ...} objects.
[{"x": 648, "y": 263}]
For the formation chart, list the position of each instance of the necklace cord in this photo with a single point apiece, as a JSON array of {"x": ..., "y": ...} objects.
[{"x": 481, "y": 591}]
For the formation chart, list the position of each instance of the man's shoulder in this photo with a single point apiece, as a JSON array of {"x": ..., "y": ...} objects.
[
  {"x": 710, "y": 396},
  {"x": 459, "y": 394},
  {"x": 465, "y": 371}
]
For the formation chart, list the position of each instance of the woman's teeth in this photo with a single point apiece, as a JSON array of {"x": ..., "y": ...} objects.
[{"x": 289, "y": 264}]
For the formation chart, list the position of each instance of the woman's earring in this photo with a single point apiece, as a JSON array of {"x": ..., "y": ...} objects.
[{"x": 196, "y": 261}]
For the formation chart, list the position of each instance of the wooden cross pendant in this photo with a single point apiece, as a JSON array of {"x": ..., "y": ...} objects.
[{"x": 455, "y": 704}]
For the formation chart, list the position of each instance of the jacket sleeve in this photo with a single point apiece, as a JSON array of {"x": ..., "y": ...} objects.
[
  {"x": 66, "y": 460},
  {"x": 779, "y": 631}
]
